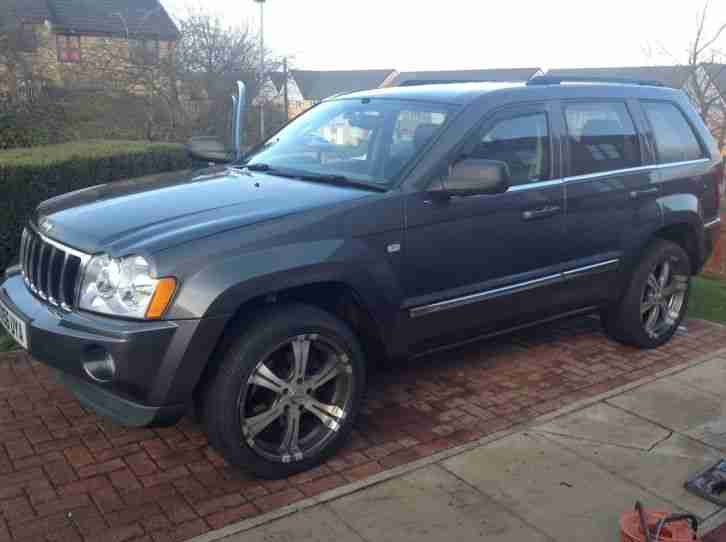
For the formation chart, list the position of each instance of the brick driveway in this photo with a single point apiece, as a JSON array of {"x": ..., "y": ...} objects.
[{"x": 66, "y": 474}]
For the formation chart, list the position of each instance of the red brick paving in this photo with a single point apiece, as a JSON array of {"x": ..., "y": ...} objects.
[{"x": 66, "y": 474}]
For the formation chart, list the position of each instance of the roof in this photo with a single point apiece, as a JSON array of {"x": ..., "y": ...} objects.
[
  {"x": 318, "y": 85},
  {"x": 512, "y": 75},
  {"x": 105, "y": 17},
  {"x": 717, "y": 73},
  {"x": 27, "y": 10},
  {"x": 670, "y": 76},
  {"x": 463, "y": 94}
]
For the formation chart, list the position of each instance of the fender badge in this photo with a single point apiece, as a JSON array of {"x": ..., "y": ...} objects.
[{"x": 395, "y": 247}]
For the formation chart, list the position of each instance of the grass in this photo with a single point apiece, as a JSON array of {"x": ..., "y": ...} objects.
[
  {"x": 96, "y": 149},
  {"x": 708, "y": 299}
]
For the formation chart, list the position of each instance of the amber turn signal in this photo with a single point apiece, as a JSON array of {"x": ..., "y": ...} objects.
[{"x": 162, "y": 297}]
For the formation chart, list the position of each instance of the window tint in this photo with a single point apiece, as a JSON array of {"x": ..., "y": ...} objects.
[
  {"x": 602, "y": 138},
  {"x": 674, "y": 137},
  {"x": 522, "y": 142}
]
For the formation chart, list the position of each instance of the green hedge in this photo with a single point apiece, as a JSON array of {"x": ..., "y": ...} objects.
[{"x": 30, "y": 176}]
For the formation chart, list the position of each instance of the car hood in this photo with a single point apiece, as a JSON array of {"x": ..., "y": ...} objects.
[{"x": 153, "y": 213}]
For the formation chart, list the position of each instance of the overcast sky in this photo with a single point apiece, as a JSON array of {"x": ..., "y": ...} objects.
[{"x": 470, "y": 34}]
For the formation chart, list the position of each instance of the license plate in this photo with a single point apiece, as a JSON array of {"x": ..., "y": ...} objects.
[{"x": 15, "y": 327}]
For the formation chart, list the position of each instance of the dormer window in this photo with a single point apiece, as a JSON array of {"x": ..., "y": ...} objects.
[{"x": 69, "y": 48}]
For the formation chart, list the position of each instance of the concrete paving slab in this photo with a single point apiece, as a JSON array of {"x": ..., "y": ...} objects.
[
  {"x": 569, "y": 498},
  {"x": 672, "y": 404},
  {"x": 663, "y": 470},
  {"x": 608, "y": 424},
  {"x": 316, "y": 524},
  {"x": 713, "y": 433},
  {"x": 430, "y": 505},
  {"x": 709, "y": 376}
]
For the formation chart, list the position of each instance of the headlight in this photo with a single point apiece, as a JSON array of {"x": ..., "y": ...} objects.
[{"x": 124, "y": 287}]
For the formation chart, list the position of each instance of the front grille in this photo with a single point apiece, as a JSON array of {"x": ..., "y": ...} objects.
[{"x": 51, "y": 271}]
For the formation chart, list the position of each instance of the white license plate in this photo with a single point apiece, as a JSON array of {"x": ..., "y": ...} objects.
[{"x": 13, "y": 325}]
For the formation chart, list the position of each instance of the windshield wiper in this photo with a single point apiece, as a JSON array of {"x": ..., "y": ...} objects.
[
  {"x": 258, "y": 167},
  {"x": 340, "y": 179}
]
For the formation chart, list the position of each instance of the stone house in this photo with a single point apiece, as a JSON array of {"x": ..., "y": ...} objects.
[{"x": 83, "y": 44}]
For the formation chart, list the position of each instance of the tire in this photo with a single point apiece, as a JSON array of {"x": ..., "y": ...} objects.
[
  {"x": 626, "y": 322},
  {"x": 258, "y": 395}
]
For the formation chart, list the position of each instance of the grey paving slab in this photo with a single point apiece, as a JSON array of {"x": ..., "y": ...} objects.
[
  {"x": 569, "y": 498},
  {"x": 662, "y": 470},
  {"x": 430, "y": 505},
  {"x": 316, "y": 524},
  {"x": 709, "y": 376},
  {"x": 606, "y": 423},
  {"x": 672, "y": 403}
]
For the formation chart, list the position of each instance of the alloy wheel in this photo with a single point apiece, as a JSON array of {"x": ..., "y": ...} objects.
[
  {"x": 663, "y": 299},
  {"x": 296, "y": 398}
]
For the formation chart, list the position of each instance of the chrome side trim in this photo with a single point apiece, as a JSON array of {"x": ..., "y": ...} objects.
[
  {"x": 532, "y": 186},
  {"x": 456, "y": 302},
  {"x": 424, "y": 310},
  {"x": 684, "y": 163},
  {"x": 712, "y": 223},
  {"x": 588, "y": 269},
  {"x": 600, "y": 174}
]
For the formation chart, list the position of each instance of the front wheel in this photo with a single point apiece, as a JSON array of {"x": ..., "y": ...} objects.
[
  {"x": 656, "y": 300},
  {"x": 287, "y": 392}
]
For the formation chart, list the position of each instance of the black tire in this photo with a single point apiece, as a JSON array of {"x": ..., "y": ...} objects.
[
  {"x": 624, "y": 322},
  {"x": 227, "y": 396}
]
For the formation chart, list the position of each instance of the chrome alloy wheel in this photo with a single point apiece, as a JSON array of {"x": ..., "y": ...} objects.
[
  {"x": 663, "y": 299},
  {"x": 296, "y": 398}
]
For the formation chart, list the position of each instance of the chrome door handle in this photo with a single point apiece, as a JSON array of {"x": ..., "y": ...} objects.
[
  {"x": 544, "y": 212},
  {"x": 635, "y": 194}
]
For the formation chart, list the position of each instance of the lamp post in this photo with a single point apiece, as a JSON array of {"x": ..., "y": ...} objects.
[{"x": 262, "y": 67}]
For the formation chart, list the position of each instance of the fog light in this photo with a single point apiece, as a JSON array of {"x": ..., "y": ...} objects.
[{"x": 99, "y": 365}]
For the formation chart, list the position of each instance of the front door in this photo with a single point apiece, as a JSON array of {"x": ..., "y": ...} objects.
[{"x": 475, "y": 264}]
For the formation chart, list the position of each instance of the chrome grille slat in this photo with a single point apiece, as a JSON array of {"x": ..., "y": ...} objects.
[
  {"x": 51, "y": 270},
  {"x": 61, "y": 284}
]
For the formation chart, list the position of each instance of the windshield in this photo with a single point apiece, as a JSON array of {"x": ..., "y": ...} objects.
[{"x": 365, "y": 141}]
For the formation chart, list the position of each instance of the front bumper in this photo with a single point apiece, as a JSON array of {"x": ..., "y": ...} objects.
[{"x": 158, "y": 364}]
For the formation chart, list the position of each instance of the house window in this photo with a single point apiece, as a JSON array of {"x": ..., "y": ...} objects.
[
  {"x": 69, "y": 48},
  {"x": 144, "y": 51},
  {"x": 28, "y": 38}
]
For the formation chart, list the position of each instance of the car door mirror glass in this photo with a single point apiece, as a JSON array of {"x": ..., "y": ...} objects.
[{"x": 472, "y": 177}]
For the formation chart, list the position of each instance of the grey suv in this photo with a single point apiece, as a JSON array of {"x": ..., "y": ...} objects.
[{"x": 379, "y": 224}]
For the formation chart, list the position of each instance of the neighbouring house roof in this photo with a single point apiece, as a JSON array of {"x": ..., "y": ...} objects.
[
  {"x": 142, "y": 18},
  {"x": 717, "y": 74},
  {"x": 510, "y": 75},
  {"x": 671, "y": 76},
  {"x": 318, "y": 85}
]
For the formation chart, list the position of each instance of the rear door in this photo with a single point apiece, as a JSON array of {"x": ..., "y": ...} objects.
[{"x": 611, "y": 188}]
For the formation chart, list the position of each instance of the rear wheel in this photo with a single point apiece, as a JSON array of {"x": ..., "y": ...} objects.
[
  {"x": 656, "y": 300},
  {"x": 287, "y": 393}
]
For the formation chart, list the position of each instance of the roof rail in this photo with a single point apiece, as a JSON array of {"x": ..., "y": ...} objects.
[
  {"x": 556, "y": 80},
  {"x": 419, "y": 82}
]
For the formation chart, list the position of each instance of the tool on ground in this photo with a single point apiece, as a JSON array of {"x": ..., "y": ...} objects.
[
  {"x": 641, "y": 525},
  {"x": 710, "y": 484}
]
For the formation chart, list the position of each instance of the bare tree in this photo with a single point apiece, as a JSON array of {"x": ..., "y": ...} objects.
[{"x": 705, "y": 67}]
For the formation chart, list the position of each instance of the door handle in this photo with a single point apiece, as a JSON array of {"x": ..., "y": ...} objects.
[
  {"x": 544, "y": 212},
  {"x": 635, "y": 194}
]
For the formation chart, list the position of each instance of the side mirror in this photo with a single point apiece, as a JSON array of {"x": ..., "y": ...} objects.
[
  {"x": 208, "y": 149},
  {"x": 226, "y": 146},
  {"x": 472, "y": 177}
]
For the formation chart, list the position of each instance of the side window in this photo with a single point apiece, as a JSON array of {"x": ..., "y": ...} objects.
[
  {"x": 522, "y": 142},
  {"x": 674, "y": 137},
  {"x": 412, "y": 132},
  {"x": 602, "y": 137}
]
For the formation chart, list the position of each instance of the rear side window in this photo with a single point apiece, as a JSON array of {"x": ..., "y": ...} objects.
[
  {"x": 674, "y": 137},
  {"x": 522, "y": 142},
  {"x": 602, "y": 137}
]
